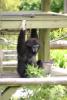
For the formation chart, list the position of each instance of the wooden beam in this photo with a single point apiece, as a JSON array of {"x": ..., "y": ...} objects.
[
  {"x": 44, "y": 34},
  {"x": 60, "y": 44},
  {"x": 26, "y": 81},
  {"x": 13, "y": 21}
]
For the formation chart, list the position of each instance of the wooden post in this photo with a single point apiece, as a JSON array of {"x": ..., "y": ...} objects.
[
  {"x": 44, "y": 35},
  {"x": 65, "y": 6},
  {"x": 1, "y": 59}
]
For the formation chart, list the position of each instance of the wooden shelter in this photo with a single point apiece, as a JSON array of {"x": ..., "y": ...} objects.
[{"x": 43, "y": 21}]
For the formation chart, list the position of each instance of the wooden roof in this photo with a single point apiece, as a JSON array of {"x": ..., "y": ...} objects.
[{"x": 13, "y": 20}]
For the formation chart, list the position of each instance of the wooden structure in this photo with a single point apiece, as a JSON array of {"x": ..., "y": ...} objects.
[
  {"x": 46, "y": 80},
  {"x": 13, "y": 20},
  {"x": 8, "y": 65},
  {"x": 44, "y": 51},
  {"x": 42, "y": 20},
  {"x": 16, "y": 82},
  {"x": 58, "y": 44}
]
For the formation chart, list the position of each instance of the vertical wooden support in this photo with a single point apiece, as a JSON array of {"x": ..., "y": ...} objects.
[
  {"x": 44, "y": 42},
  {"x": 44, "y": 35},
  {"x": 0, "y": 25},
  {"x": 65, "y": 6},
  {"x": 1, "y": 59}
]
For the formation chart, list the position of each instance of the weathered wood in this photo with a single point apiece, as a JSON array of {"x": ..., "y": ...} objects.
[
  {"x": 56, "y": 71},
  {"x": 10, "y": 57},
  {"x": 59, "y": 44},
  {"x": 1, "y": 60},
  {"x": 45, "y": 45},
  {"x": 45, "y": 80},
  {"x": 6, "y": 52},
  {"x": 9, "y": 63},
  {"x": 13, "y": 21},
  {"x": 15, "y": 82},
  {"x": 44, "y": 34}
]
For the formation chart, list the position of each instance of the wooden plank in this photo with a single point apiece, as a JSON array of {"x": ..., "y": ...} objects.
[
  {"x": 9, "y": 52},
  {"x": 1, "y": 60},
  {"x": 56, "y": 71},
  {"x": 26, "y": 81},
  {"x": 10, "y": 57},
  {"x": 34, "y": 20},
  {"x": 59, "y": 44}
]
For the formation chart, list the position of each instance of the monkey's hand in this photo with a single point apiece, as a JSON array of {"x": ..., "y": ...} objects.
[{"x": 23, "y": 25}]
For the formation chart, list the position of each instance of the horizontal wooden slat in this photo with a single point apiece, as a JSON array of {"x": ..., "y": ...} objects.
[
  {"x": 9, "y": 51},
  {"x": 13, "y": 21},
  {"x": 10, "y": 57},
  {"x": 45, "y": 80},
  {"x": 59, "y": 44},
  {"x": 9, "y": 63}
]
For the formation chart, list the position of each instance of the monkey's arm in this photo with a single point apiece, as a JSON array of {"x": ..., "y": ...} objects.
[
  {"x": 21, "y": 38},
  {"x": 21, "y": 41}
]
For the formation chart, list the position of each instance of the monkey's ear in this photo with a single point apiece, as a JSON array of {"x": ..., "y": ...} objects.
[{"x": 34, "y": 33}]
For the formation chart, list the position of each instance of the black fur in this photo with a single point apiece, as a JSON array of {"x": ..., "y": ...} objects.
[{"x": 25, "y": 53}]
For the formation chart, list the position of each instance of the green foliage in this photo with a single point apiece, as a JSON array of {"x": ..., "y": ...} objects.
[
  {"x": 57, "y": 5},
  {"x": 2, "y": 5},
  {"x": 58, "y": 33},
  {"x": 46, "y": 92},
  {"x": 35, "y": 71},
  {"x": 15, "y": 5},
  {"x": 57, "y": 92},
  {"x": 9, "y": 5},
  {"x": 12, "y": 5},
  {"x": 59, "y": 57},
  {"x": 29, "y": 5}
]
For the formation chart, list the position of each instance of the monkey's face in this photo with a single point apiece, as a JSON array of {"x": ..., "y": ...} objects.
[
  {"x": 33, "y": 45},
  {"x": 35, "y": 48}
]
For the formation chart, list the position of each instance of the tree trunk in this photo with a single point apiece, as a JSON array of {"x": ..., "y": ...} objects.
[
  {"x": 65, "y": 6},
  {"x": 2, "y": 5}
]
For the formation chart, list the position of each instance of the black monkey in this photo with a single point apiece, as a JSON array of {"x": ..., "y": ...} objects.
[{"x": 26, "y": 50}]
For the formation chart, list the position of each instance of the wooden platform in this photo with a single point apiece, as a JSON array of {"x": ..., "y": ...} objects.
[{"x": 13, "y": 20}]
